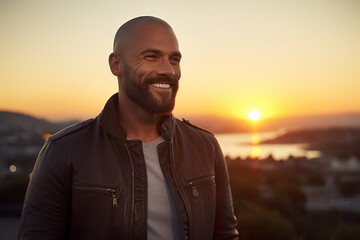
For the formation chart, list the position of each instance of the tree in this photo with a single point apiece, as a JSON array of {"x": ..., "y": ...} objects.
[
  {"x": 346, "y": 232},
  {"x": 256, "y": 223},
  {"x": 349, "y": 188}
]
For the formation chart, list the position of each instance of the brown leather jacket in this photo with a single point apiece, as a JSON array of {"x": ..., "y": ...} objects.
[{"x": 89, "y": 182}]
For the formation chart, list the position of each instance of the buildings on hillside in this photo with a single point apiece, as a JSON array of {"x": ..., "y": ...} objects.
[{"x": 335, "y": 183}]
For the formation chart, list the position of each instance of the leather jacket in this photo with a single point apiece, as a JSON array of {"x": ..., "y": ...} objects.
[{"x": 89, "y": 182}]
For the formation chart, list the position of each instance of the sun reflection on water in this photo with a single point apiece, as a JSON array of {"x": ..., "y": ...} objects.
[{"x": 255, "y": 151}]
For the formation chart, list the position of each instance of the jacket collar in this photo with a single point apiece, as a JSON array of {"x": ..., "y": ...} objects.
[{"x": 109, "y": 116}]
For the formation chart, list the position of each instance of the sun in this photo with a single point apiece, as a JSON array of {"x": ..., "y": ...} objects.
[{"x": 254, "y": 115}]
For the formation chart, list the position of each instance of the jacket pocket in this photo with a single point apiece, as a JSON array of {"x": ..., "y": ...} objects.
[
  {"x": 110, "y": 192},
  {"x": 197, "y": 183}
]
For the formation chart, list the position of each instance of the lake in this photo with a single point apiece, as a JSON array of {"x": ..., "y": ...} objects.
[{"x": 248, "y": 144}]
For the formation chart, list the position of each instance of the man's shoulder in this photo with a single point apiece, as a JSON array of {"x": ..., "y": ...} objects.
[
  {"x": 187, "y": 124},
  {"x": 70, "y": 130},
  {"x": 194, "y": 134}
]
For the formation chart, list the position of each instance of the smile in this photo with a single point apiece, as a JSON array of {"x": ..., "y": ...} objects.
[{"x": 162, "y": 85}]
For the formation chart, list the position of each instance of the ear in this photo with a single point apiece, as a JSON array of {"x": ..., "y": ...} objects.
[{"x": 114, "y": 63}]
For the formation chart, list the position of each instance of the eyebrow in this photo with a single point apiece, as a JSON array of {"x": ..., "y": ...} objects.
[{"x": 156, "y": 51}]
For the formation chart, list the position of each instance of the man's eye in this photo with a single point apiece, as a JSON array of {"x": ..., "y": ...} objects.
[
  {"x": 150, "y": 57},
  {"x": 175, "y": 60}
]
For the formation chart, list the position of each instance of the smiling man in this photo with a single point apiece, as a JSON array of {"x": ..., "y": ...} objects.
[{"x": 135, "y": 171}]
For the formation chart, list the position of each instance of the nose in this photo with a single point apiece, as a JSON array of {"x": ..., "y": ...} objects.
[{"x": 165, "y": 68}]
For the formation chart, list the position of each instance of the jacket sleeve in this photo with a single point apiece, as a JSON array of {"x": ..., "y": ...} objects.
[
  {"x": 225, "y": 222},
  {"x": 47, "y": 202}
]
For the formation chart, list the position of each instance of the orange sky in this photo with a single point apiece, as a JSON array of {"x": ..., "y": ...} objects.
[{"x": 284, "y": 58}]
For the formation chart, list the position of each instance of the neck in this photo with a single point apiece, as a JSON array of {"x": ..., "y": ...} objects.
[{"x": 137, "y": 123}]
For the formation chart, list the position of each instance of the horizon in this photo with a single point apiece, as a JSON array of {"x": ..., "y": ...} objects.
[
  {"x": 228, "y": 125},
  {"x": 74, "y": 118},
  {"x": 283, "y": 60}
]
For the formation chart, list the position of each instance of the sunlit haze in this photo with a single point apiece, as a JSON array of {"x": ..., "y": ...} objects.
[
  {"x": 284, "y": 58},
  {"x": 254, "y": 115}
]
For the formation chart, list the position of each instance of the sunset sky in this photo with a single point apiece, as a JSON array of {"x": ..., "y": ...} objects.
[{"x": 283, "y": 58}]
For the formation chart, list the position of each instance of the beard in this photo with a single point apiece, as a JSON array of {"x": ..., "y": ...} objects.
[{"x": 139, "y": 92}]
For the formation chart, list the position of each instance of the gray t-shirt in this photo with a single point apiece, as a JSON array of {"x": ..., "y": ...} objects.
[{"x": 163, "y": 221}]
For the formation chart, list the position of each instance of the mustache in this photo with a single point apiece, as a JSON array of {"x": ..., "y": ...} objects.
[{"x": 172, "y": 80}]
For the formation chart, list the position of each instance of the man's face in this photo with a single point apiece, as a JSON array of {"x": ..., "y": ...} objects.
[
  {"x": 151, "y": 70},
  {"x": 155, "y": 94}
]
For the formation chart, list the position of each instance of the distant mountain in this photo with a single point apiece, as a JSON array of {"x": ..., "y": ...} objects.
[
  {"x": 19, "y": 122},
  {"x": 312, "y": 122},
  {"x": 218, "y": 124},
  {"x": 215, "y": 124},
  {"x": 340, "y": 142}
]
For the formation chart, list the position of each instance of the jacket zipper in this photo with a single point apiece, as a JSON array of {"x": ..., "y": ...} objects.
[
  {"x": 172, "y": 154},
  {"x": 101, "y": 190},
  {"x": 194, "y": 183},
  {"x": 132, "y": 190}
]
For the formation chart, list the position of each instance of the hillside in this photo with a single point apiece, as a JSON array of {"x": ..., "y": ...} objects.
[
  {"x": 313, "y": 122},
  {"x": 216, "y": 124},
  {"x": 340, "y": 142},
  {"x": 219, "y": 124},
  {"x": 11, "y": 122}
]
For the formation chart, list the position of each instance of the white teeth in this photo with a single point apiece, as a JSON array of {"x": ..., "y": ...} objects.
[{"x": 162, "y": 85}]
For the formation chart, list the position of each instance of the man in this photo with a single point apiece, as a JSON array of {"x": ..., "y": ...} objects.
[{"x": 134, "y": 172}]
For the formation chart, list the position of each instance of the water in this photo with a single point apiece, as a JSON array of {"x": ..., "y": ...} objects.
[{"x": 248, "y": 144}]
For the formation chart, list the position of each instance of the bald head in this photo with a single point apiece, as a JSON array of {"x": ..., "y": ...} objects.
[
  {"x": 146, "y": 61},
  {"x": 128, "y": 30}
]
